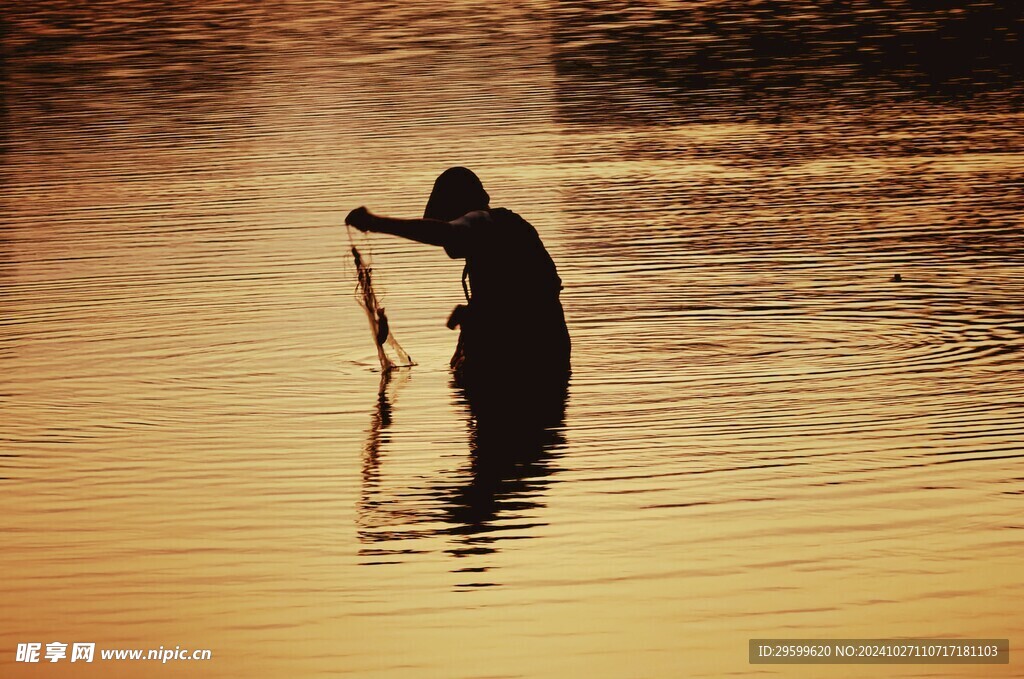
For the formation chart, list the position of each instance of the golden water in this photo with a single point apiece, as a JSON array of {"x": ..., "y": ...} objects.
[{"x": 764, "y": 437}]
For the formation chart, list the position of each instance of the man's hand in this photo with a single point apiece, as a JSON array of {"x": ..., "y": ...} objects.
[{"x": 360, "y": 218}]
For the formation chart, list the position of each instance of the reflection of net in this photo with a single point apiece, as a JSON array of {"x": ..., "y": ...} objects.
[{"x": 382, "y": 336}]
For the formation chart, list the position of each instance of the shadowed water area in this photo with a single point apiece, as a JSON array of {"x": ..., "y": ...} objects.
[{"x": 765, "y": 435}]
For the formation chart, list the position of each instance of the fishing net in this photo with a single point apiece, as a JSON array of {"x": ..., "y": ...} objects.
[{"x": 389, "y": 351}]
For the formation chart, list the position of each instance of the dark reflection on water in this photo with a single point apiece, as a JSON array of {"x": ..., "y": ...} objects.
[
  {"x": 774, "y": 57},
  {"x": 110, "y": 69},
  {"x": 514, "y": 440}
]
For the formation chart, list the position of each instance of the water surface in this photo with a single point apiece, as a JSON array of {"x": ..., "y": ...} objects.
[{"x": 764, "y": 434}]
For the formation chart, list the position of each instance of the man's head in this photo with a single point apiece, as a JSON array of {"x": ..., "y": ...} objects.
[{"x": 456, "y": 192}]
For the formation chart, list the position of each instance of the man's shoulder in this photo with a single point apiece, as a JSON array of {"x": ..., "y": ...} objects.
[
  {"x": 492, "y": 214},
  {"x": 509, "y": 220},
  {"x": 504, "y": 214},
  {"x": 495, "y": 228}
]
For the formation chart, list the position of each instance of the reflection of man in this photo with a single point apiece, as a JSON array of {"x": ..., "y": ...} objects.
[{"x": 512, "y": 453}]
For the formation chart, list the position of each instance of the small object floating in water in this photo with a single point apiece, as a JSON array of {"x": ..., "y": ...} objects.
[{"x": 896, "y": 278}]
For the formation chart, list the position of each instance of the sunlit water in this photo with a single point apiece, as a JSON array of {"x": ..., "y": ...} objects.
[{"x": 765, "y": 434}]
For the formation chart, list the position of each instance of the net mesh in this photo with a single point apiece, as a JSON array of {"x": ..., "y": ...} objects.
[{"x": 389, "y": 351}]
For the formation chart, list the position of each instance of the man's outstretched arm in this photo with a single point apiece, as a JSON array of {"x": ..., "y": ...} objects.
[{"x": 429, "y": 231}]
